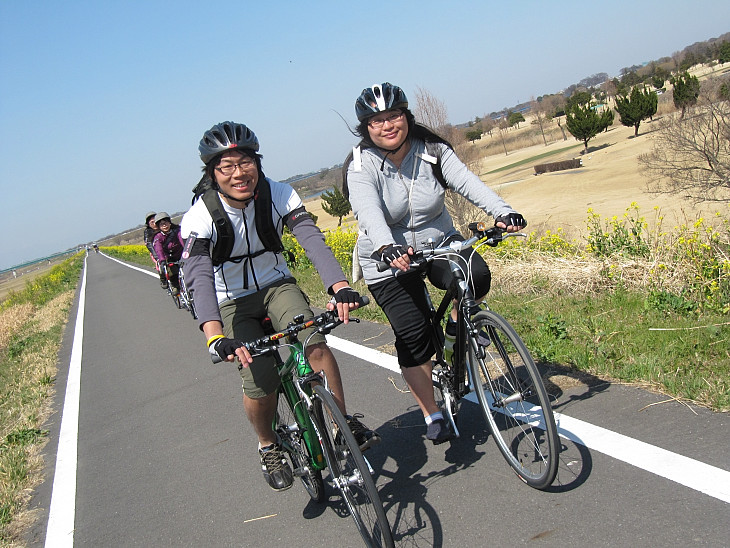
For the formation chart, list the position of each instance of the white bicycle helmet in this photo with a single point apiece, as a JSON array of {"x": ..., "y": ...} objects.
[{"x": 379, "y": 98}]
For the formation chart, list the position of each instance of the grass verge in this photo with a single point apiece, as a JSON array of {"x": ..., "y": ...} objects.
[{"x": 31, "y": 327}]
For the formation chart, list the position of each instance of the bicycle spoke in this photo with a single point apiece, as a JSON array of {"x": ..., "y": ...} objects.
[
  {"x": 515, "y": 403},
  {"x": 349, "y": 472},
  {"x": 292, "y": 439}
]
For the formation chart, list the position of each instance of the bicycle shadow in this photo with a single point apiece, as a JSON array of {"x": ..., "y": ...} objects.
[
  {"x": 403, "y": 485},
  {"x": 567, "y": 387}
]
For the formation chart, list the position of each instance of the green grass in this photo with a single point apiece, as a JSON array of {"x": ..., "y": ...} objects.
[
  {"x": 532, "y": 159},
  {"x": 614, "y": 335},
  {"x": 32, "y": 322}
]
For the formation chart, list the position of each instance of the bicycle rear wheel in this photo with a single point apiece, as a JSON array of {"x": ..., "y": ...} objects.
[
  {"x": 350, "y": 472},
  {"x": 292, "y": 439},
  {"x": 514, "y": 401}
]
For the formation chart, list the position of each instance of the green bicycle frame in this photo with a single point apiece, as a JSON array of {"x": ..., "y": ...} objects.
[{"x": 298, "y": 360}]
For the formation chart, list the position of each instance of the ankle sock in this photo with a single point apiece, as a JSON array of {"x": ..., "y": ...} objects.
[{"x": 434, "y": 417}]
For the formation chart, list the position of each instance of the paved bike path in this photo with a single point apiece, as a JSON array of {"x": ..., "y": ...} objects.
[{"x": 165, "y": 456}]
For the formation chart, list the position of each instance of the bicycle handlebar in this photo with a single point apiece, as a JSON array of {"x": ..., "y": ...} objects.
[
  {"x": 479, "y": 231},
  {"x": 324, "y": 322}
]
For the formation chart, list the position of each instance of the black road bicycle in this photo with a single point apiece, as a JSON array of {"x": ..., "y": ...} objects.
[
  {"x": 314, "y": 432},
  {"x": 490, "y": 358}
]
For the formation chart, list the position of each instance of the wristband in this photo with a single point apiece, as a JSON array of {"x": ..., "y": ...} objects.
[{"x": 214, "y": 338}]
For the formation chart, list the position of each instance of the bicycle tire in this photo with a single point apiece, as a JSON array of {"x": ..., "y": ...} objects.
[
  {"x": 514, "y": 401},
  {"x": 291, "y": 435},
  {"x": 176, "y": 300},
  {"x": 350, "y": 472}
]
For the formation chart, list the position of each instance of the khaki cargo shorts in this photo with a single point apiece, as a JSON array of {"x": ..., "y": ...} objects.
[{"x": 242, "y": 318}]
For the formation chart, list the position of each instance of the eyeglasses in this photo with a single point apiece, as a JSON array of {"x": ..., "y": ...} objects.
[
  {"x": 230, "y": 169},
  {"x": 377, "y": 123}
]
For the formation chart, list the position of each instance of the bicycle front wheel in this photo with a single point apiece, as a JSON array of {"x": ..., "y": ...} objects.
[
  {"x": 350, "y": 472},
  {"x": 514, "y": 400},
  {"x": 292, "y": 437}
]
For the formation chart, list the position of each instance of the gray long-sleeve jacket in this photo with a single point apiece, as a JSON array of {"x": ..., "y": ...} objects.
[{"x": 406, "y": 206}]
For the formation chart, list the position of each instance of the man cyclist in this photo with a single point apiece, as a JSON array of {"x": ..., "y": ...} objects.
[{"x": 232, "y": 298}]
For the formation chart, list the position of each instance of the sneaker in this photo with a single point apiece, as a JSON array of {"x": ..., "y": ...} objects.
[
  {"x": 163, "y": 284},
  {"x": 175, "y": 291},
  {"x": 364, "y": 437},
  {"x": 275, "y": 467},
  {"x": 439, "y": 432}
]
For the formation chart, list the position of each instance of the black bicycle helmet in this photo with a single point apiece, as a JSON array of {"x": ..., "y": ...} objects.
[
  {"x": 148, "y": 216},
  {"x": 379, "y": 98},
  {"x": 225, "y": 136}
]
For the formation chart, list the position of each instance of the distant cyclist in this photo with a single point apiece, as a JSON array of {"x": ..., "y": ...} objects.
[
  {"x": 232, "y": 298},
  {"x": 150, "y": 231},
  {"x": 168, "y": 246}
]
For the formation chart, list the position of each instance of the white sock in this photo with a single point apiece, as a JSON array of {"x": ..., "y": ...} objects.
[{"x": 434, "y": 417}]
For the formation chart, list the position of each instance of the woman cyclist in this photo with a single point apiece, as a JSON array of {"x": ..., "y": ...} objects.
[
  {"x": 398, "y": 200},
  {"x": 168, "y": 245}
]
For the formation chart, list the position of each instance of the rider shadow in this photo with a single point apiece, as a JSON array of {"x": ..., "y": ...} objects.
[{"x": 403, "y": 485}]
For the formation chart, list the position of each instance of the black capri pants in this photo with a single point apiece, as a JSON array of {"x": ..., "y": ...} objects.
[{"x": 403, "y": 300}]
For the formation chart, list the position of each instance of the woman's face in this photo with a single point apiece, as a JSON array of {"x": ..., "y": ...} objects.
[
  {"x": 237, "y": 175},
  {"x": 151, "y": 223},
  {"x": 164, "y": 225},
  {"x": 389, "y": 129}
]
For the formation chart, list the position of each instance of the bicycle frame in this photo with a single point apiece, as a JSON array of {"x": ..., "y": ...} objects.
[{"x": 296, "y": 378}]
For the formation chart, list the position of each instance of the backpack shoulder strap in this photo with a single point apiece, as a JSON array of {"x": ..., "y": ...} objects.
[
  {"x": 223, "y": 227},
  {"x": 264, "y": 219},
  {"x": 432, "y": 155}
]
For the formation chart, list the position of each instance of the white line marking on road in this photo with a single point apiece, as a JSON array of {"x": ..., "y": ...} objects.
[
  {"x": 153, "y": 274},
  {"x": 691, "y": 473},
  {"x": 62, "y": 512}
]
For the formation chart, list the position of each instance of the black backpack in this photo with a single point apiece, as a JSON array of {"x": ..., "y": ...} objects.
[
  {"x": 224, "y": 228},
  {"x": 432, "y": 149}
]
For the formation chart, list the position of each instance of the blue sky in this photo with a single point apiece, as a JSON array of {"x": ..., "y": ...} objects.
[{"x": 102, "y": 104}]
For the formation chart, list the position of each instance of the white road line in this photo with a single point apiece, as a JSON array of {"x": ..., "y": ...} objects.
[
  {"x": 691, "y": 473},
  {"x": 153, "y": 274},
  {"x": 62, "y": 512}
]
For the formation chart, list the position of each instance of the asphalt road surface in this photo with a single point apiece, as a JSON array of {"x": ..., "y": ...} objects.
[{"x": 157, "y": 450}]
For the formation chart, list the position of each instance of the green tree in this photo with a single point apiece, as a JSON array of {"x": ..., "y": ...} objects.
[
  {"x": 335, "y": 204},
  {"x": 578, "y": 98},
  {"x": 473, "y": 134},
  {"x": 637, "y": 107},
  {"x": 686, "y": 91},
  {"x": 515, "y": 118},
  {"x": 584, "y": 122},
  {"x": 723, "y": 54}
]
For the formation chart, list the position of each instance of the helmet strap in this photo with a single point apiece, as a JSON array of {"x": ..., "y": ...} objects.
[{"x": 389, "y": 152}]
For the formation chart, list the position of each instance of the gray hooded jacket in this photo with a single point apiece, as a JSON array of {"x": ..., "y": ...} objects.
[{"x": 406, "y": 206}]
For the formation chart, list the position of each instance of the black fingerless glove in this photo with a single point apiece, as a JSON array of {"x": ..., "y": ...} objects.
[
  {"x": 347, "y": 295},
  {"x": 511, "y": 219},
  {"x": 223, "y": 347},
  {"x": 391, "y": 252}
]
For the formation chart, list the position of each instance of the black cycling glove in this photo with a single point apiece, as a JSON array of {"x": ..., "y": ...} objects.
[
  {"x": 391, "y": 252},
  {"x": 224, "y": 347},
  {"x": 511, "y": 219},
  {"x": 347, "y": 295}
]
